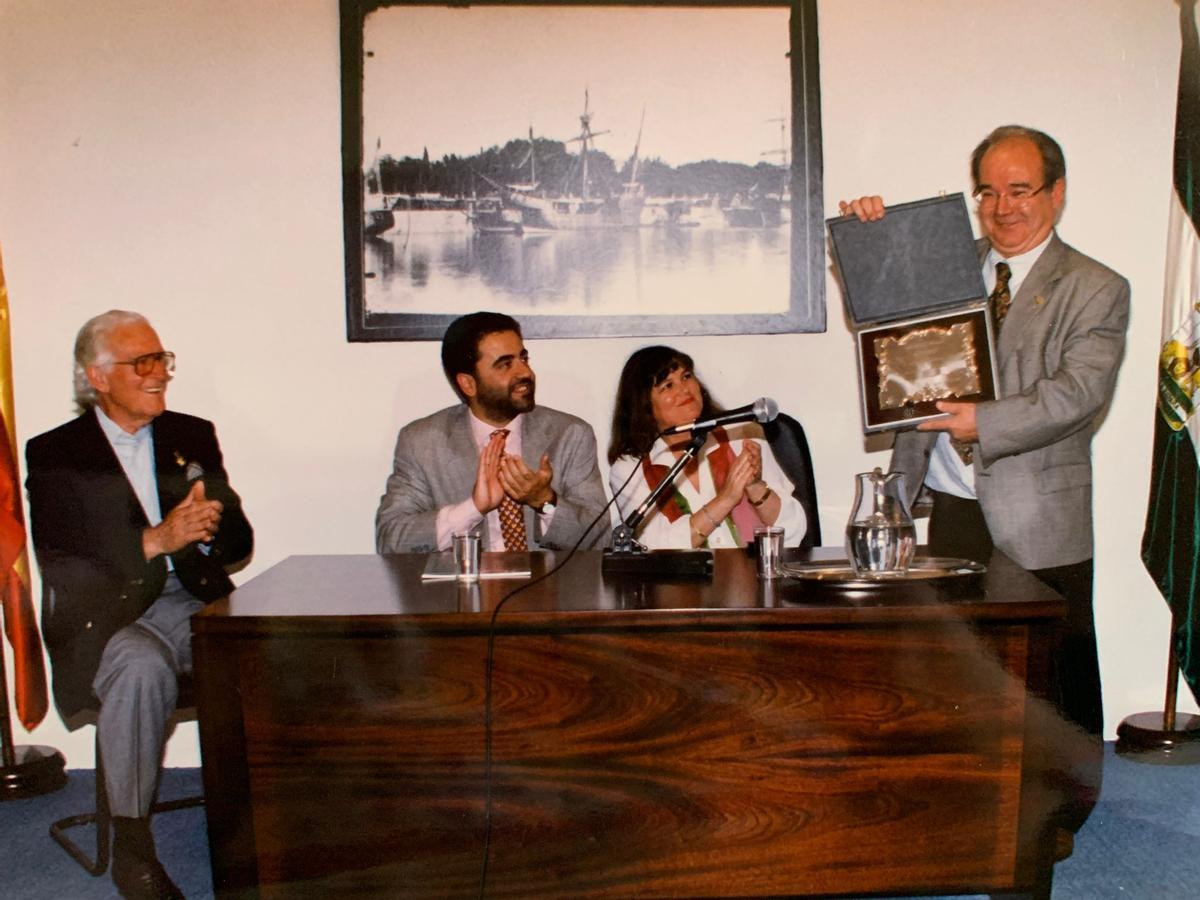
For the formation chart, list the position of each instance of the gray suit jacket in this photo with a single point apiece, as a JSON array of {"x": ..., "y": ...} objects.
[
  {"x": 1058, "y": 356},
  {"x": 435, "y": 464}
]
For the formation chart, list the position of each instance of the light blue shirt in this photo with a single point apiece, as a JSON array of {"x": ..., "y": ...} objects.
[
  {"x": 947, "y": 472},
  {"x": 135, "y": 452}
]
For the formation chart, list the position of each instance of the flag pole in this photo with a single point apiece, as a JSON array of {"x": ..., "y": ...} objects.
[
  {"x": 1165, "y": 738},
  {"x": 1171, "y": 540},
  {"x": 26, "y": 770},
  {"x": 1172, "y": 682}
]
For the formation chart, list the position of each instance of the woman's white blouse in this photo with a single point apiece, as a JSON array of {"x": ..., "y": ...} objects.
[{"x": 658, "y": 533}]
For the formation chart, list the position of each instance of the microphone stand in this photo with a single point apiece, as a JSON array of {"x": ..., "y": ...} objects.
[{"x": 629, "y": 556}]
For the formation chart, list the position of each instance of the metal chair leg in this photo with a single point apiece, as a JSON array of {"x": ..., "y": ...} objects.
[{"x": 102, "y": 819}]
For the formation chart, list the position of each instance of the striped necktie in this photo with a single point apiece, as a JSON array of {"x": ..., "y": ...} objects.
[{"x": 1000, "y": 299}]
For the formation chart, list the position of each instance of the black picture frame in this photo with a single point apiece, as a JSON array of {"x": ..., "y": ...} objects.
[{"x": 805, "y": 310}]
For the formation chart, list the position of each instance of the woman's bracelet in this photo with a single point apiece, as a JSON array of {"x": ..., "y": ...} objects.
[
  {"x": 712, "y": 526},
  {"x": 763, "y": 499}
]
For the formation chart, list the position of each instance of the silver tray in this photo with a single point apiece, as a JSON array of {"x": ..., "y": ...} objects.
[{"x": 925, "y": 568}]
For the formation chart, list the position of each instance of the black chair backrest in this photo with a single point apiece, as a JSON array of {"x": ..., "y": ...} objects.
[{"x": 786, "y": 438}]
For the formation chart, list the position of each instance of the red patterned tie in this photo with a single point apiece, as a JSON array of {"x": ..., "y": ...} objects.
[{"x": 512, "y": 519}]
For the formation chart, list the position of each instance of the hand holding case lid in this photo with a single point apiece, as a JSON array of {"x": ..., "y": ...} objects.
[{"x": 914, "y": 292}]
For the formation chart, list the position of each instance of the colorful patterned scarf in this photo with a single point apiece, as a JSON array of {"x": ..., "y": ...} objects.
[{"x": 673, "y": 504}]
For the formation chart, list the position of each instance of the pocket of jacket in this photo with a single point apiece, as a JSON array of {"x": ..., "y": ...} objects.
[{"x": 1062, "y": 478}]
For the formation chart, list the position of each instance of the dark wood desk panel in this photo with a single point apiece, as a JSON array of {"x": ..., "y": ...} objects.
[{"x": 693, "y": 739}]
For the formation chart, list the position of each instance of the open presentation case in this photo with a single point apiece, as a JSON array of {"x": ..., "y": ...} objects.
[{"x": 914, "y": 292}]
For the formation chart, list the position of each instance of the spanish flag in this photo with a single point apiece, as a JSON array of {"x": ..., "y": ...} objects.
[
  {"x": 29, "y": 673},
  {"x": 1171, "y": 541}
]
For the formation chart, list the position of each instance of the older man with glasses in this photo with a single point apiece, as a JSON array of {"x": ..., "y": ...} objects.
[
  {"x": 1016, "y": 472},
  {"x": 134, "y": 524}
]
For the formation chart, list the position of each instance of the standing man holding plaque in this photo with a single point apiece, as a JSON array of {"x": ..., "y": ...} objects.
[{"x": 1016, "y": 472}]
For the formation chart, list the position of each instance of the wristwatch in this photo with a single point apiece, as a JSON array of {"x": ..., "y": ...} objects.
[
  {"x": 550, "y": 505},
  {"x": 766, "y": 495}
]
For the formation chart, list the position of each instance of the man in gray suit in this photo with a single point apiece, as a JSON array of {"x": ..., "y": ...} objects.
[
  {"x": 525, "y": 474},
  {"x": 1016, "y": 472}
]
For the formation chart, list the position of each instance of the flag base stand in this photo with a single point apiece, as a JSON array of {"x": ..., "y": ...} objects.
[
  {"x": 34, "y": 770},
  {"x": 1163, "y": 738},
  {"x": 26, "y": 770},
  {"x": 1142, "y": 737}
]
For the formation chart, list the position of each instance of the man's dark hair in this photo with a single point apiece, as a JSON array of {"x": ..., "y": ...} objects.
[
  {"x": 460, "y": 344},
  {"x": 633, "y": 428},
  {"x": 1054, "y": 165}
]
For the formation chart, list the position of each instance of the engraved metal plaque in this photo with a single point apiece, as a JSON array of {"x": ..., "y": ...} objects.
[
  {"x": 932, "y": 363},
  {"x": 905, "y": 368}
]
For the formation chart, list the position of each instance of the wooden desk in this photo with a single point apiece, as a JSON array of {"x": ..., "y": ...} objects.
[{"x": 723, "y": 738}]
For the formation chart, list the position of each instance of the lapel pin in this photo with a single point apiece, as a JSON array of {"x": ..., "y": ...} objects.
[
  {"x": 1039, "y": 300},
  {"x": 179, "y": 460}
]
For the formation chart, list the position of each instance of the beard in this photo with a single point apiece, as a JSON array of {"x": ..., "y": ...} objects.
[{"x": 500, "y": 404}]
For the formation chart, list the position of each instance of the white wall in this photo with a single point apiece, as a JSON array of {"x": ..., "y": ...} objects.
[{"x": 182, "y": 159}]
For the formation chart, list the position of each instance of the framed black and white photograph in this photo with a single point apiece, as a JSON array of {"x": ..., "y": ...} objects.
[{"x": 593, "y": 170}]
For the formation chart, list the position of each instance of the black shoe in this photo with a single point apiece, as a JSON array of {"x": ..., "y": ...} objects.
[{"x": 142, "y": 879}]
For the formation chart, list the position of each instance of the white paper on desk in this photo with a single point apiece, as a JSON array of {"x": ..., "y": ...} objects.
[{"x": 492, "y": 564}]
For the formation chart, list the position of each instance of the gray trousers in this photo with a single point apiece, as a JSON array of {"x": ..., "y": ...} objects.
[{"x": 137, "y": 684}]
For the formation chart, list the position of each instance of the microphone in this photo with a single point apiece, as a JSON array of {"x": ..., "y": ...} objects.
[{"x": 764, "y": 409}]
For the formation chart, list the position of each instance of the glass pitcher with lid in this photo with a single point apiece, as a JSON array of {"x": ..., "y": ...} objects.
[{"x": 880, "y": 536}]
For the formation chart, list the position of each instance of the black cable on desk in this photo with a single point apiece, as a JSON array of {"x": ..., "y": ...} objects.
[{"x": 487, "y": 678}]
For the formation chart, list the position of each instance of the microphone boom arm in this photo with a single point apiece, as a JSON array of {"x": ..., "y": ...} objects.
[{"x": 623, "y": 534}]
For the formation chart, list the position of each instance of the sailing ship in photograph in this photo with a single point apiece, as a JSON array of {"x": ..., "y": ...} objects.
[
  {"x": 494, "y": 192},
  {"x": 763, "y": 207},
  {"x": 567, "y": 211},
  {"x": 377, "y": 216},
  {"x": 558, "y": 224},
  {"x": 489, "y": 215}
]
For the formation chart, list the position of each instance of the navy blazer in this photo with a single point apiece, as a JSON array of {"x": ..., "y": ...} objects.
[{"x": 87, "y": 524}]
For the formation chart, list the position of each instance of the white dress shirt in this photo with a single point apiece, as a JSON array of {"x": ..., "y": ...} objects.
[{"x": 947, "y": 472}]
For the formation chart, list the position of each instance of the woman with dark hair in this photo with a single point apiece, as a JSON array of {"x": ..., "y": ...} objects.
[{"x": 733, "y": 485}]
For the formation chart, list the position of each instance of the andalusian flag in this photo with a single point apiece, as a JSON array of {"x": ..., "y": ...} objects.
[
  {"x": 1171, "y": 543},
  {"x": 29, "y": 674}
]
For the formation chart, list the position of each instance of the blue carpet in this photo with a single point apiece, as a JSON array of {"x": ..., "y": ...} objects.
[
  {"x": 1142, "y": 840},
  {"x": 36, "y": 868}
]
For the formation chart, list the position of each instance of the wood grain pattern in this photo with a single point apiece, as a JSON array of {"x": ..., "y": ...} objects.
[{"x": 760, "y": 756}]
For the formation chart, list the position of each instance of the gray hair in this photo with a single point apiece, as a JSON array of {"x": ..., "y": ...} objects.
[
  {"x": 1054, "y": 165},
  {"x": 91, "y": 349}
]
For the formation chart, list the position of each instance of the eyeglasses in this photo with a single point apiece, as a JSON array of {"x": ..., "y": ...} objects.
[
  {"x": 1018, "y": 195},
  {"x": 143, "y": 365}
]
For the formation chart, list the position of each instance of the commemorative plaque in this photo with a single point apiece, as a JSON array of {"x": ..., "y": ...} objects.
[{"x": 913, "y": 288}]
